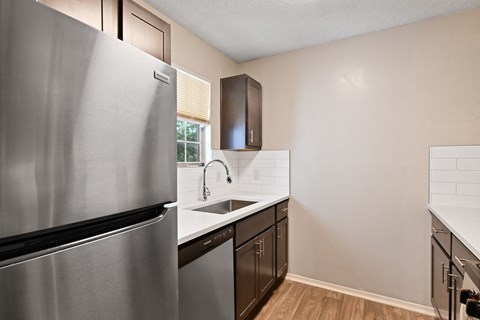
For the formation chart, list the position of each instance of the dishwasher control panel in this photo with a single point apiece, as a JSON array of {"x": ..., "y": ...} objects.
[{"x": 197, "y": 247}]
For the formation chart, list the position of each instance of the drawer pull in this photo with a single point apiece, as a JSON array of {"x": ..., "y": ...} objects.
[
  {"x": 435, "y": 230},
  {"x": 461, "y": 261},
  {"x": 453, "y": 275},
  {"x": 284, "y": 209}
]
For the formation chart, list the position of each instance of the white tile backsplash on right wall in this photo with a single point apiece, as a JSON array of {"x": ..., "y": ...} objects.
[
  {"x": 264, "y": 171},
  {"x": 455, "y": 176}
]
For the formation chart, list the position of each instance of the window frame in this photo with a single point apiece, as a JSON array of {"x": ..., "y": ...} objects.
[
  {"x": 201, "y": 143},
  {"x": 205, "y": 127}
]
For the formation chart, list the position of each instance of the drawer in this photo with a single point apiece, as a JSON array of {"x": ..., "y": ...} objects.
[
  {"x": 459, "y": 253},
  {"x": 281, "y": 210},
  {"x": 442, "y": 234},
  {"x": 253, "y": 225}
]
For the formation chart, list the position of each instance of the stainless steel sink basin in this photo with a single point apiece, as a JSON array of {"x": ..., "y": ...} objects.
[{"x": 225, "y": 206}]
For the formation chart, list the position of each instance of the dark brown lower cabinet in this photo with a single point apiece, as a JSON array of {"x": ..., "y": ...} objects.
[
  {"x": 266, "y": 262},
  {"x": 282, "y": 247},
  {"x": 440, "y": 280},
  {"x": 245, "y": 279},
  {"x": 255, "y": 271}
]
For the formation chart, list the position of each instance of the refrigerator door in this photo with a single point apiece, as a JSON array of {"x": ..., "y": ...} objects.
[
  {"x": 87, "y": 122},
  {"x": 123, "y": 276}
]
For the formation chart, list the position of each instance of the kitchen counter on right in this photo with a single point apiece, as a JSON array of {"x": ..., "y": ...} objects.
[{"x": 463, "y": 222}]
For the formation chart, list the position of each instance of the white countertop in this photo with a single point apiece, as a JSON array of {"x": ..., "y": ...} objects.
[
  {"x": 464, "y": 224},
  {"x": 192, "y": 224}
]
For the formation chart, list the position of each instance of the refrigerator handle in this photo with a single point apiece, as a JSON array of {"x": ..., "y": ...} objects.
[{"x": 170, "y": 205}]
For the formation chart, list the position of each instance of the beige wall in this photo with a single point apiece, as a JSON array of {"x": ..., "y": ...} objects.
[
  {"x": 359, "y": 116},
  {"x": 193, "y": 55}
]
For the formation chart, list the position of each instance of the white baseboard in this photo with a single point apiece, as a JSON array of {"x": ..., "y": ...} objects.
[{"x": 410, "y": 306}]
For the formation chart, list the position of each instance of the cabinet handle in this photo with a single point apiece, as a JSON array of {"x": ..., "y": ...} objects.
[
  {"x": 453, "y": 275},
  {"x": 461, "y": 261},
  {"x": 284, "y": 209},
  {"x": 443, "y": 273},
  {"x": 259, "y": 251},
  {"x": 279, "y": 233},
  {"x": 435, "y": 230},
  {"x": 262, "y": 248},
  {"x": 454, "y": 288},
  {"x": 251, "y": 136}
]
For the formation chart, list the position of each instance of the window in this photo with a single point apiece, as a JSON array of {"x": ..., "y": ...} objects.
[
  {"x": 193, "y": 111},
  {"x": 188, "y": 141}
]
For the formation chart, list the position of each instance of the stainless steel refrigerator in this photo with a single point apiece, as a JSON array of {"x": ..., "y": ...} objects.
[{"x": 87, "y": 173}]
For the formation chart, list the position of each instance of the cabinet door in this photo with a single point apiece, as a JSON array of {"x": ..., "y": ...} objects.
[
  {"x": 439, "y": 290},
  {"x": 282, "y": 247},
  {"x": 246, "y": 278},
  {"x": 455, "y": 287},
  {"x": 254, "y": 113},
  {"x": 146, "y": 31},
  {"x": 266, "y": 262}
]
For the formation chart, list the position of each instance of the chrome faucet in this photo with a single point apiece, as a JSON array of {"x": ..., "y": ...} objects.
[{"x": 206, "y": 192}]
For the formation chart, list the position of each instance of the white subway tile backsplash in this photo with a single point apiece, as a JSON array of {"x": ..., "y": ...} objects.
[
  {"x": 459, "y": 185},
  {"x": 469, "y": 176},
  {"x": 275, "y": 172},
  {"x": 275, "y": 189},
  {"x": 250, "y": 188},
  {"x": 243, "y": 179},
  {"x": 443, "y": 164},
  {"x": 282, "y": 163},
  {"x": 468, "y": 189},
  {"x": 275, "y": 155},
  {"x": 251, "y": 171},
  {"x": 282, "y": 181},
  {"x": 263, "y": 180},
  {"x": 243, "y": 155},
  {"x": 468, "y": 164},
  {"x": 443, "y": 187},
  {"x": 455, "y": 176},
  {"x": 455, "y": 200},
  {"x": 444, "y": 176},
  {"x": 455, "y": 152},
  {"x": 256, "y": 163}
]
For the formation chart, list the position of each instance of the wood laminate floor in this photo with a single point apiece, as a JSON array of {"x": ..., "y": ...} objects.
[{"x": 294, "y": 300}]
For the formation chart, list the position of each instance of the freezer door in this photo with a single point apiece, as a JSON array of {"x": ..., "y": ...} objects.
[
  {"x": 125, "y": 276},
  {"x": 87, "y": 122}
]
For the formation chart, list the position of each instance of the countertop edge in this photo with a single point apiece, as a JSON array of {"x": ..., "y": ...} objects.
[
  {"x": 437, "y": 211},
  {"x": 212, "y": 227}
]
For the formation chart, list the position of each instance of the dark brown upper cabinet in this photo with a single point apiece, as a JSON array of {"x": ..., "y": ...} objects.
[
  {"x": 240, "y": 113},
  {"x": 100, "y": 14},
  {"x": 145, "y": 31},
  {"x": 122, "y": 19}
]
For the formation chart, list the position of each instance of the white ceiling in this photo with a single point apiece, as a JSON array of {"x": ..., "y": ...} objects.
[{"x": 250, "y": 29}]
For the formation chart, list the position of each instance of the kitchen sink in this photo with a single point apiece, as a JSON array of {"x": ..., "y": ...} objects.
[{"x": 225, "y": 206}]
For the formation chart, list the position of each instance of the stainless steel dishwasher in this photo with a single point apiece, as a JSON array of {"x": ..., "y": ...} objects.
[{"x": 205, "y": 276}]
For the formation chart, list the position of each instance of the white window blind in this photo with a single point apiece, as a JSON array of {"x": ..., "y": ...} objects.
[{"x": 193, "y": 97}]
